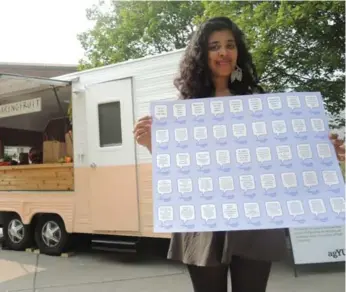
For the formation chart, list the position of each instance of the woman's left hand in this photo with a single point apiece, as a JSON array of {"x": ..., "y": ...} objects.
[{"x": 339, "y": 146}]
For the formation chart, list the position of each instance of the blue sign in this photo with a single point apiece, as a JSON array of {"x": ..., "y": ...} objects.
[{"x": 244, "y": 162}]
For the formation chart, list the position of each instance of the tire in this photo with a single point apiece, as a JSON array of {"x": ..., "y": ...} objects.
[
  {"x": 50, "y": 235},
  {"x": 2, "y": 218},
  {"x": 16, "y": 235}
]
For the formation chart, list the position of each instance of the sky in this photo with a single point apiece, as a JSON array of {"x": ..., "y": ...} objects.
[{"x": 42, "y": 31}]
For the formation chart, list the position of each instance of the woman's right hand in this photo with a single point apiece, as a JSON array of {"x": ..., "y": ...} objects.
[{"x": 142, "y": 132}]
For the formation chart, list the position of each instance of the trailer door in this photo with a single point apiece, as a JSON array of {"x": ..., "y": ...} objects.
[{"x": 113, "y": 180}]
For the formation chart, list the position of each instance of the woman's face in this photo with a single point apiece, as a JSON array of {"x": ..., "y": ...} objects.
[{"x": 222, "y": 53}]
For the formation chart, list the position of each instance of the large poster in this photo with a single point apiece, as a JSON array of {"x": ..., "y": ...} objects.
[{"x": 244, "y": 162}]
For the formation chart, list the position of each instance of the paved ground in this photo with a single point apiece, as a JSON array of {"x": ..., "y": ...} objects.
[
  {"x": 108, "y": 272},
  {"x": 105, "y": 272}
]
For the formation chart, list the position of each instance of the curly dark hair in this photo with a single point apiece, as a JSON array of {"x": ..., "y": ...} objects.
[{"x": 194, "y": 80}]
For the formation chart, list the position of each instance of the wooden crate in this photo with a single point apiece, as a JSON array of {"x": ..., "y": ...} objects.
[{"x": 37, "y": 177}]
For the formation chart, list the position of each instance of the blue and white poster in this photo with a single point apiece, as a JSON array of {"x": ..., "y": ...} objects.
[{"x": 244, "y": 162}]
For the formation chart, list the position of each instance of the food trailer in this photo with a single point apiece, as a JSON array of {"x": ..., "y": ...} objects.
[{"x": 89, "y": 176}]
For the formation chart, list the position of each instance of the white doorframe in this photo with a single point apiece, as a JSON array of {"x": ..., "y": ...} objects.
[{"x": 113, "y": 172}]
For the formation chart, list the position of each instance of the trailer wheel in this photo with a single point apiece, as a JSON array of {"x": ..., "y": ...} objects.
[
  {"x": 50, "y": 235},
  {"x": 16, "y": 235}
]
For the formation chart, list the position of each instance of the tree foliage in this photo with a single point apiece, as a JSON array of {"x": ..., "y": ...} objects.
[
  {"x": 133, "y": 29},
  {"x": 296, "y": 45}
]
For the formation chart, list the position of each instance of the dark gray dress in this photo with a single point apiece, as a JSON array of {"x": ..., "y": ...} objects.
[{"x": 216, "y": 248}]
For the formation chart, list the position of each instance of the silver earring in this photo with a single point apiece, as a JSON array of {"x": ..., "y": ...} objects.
[{"x": 237, "y": 74}]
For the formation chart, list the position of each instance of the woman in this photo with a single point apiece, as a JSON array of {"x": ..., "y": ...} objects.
[{"x": 217, "y": 63}]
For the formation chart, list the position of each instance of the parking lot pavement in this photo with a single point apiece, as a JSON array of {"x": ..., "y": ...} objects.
[{"x": 106, "y": 272}]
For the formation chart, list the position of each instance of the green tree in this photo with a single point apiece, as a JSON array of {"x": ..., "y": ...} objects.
[
  {"x": 133, "y": 29},
  {"x": 296, "y": 45}
]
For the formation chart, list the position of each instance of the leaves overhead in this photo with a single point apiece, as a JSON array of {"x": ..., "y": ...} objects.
[
  {"x": 296, "y": 45},
  {"x": 129, "y": 30}
]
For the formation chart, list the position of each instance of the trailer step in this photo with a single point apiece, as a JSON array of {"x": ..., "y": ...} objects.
[
  {"x": 113, "y": 242},
  {"x": 121, "y": 245},
  {"x": 114, "y": 249}
]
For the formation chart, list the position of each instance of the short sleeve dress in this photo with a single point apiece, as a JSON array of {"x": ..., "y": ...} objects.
[{"x": 217, "y": 248}]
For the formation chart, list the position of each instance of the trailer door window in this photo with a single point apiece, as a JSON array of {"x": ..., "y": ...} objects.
[{"x": 110, "y": 124}]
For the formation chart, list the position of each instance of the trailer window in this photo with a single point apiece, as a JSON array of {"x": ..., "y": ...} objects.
[{"x": 110, "y": 124}]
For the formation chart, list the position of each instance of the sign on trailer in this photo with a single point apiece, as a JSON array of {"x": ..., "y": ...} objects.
[{"x": 20, "y": 108}]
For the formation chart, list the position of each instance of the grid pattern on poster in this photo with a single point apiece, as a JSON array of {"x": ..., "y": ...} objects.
[{"x": 244, "y": 162}]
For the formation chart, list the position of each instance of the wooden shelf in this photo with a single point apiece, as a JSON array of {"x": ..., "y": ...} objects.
[{"x": 40, "y": 177}]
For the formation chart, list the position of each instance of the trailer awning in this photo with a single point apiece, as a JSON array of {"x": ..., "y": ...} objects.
[
  {"x": 29, "y": 103},
  {"x": 14, "y": 85}
]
